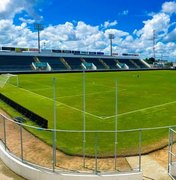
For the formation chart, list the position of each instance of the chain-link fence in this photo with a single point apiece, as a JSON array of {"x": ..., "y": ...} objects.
[
  {"x": 172, "y": 153},
  {"x": 26, "y": 146}
]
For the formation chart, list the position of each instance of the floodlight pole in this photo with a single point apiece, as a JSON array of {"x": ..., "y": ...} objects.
[
  {"x": 154, "y": 42},
  {"x": 111, "y": 37},
  {"x": 54, "y": 127},
  {"x": 38, "y": 27},
  {"x": 116, "y": 126},
  {"x": 84, "y": 118}
]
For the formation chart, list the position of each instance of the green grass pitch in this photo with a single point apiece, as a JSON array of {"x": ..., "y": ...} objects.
[{"x": 145, "y": 99}]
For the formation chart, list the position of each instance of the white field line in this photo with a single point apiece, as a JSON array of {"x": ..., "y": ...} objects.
[
  {"x": 143, "y": 109},
  {"x": 44, "y": 97},
  {"x": 87, "y": 94},
  {"x": 46, "y": 88},
  {"x": 99, "y": 117}
]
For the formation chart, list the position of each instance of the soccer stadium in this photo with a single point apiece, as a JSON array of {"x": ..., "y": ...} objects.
[{"x": 82, "y": 114}]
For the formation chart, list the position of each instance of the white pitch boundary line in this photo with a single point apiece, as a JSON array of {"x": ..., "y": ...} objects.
[
  {"x": 143, "y": 109},
  {"x": 77, "y": 95},
  {"x": 44, "y": 97},
  {"x": 99, "y": 117}
]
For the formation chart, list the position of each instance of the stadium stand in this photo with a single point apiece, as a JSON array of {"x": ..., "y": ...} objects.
[
  {"x": 104, "y": 64},
  {"x": 41, "y": 66},
  {"x": 111, "y": 63},
  {"x": 74, "y": 63},
  {"x": 96, "y": 62},
  {"x": 11, "y": 61},
  {"x": 54, "y": 62},
  {"x": 128, "y": 63},
  {"x": 140, "y": 63},
  {"x": 15, "y": 63}
]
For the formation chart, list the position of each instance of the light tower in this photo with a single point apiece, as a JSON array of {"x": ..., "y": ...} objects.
[
  {"x": 38, "y": 27},
  {"x": 154, "y": 42},
  {"x": 111, "y": 37}
]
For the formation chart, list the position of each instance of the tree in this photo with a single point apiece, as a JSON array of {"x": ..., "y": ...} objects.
[{"x": 150, "y": 60}]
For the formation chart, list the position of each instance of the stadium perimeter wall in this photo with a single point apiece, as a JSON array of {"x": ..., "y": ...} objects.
[
  {"x": 27, "y": 113},
  {"x": 33, "y": 173},
  {"x": 80, "y": 71}
]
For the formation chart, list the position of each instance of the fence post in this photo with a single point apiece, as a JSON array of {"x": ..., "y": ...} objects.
[
  {"x": 96, "y": 153},
  {"x": 84, "y": 119},
  {"x": 55, "y": 123},
  {"x": 171, "y": 146},
  {"x": 169, "y": 150},
  {"x": 4, "y": 132},
  {"x": 54, "y": 150},
  {"x": 116, "y": 127},
  {"x": 140, "y": 148},
  {"x": 21, "y": 141}
]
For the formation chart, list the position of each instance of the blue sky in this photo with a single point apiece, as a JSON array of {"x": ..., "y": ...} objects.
[
  {"x": 85, "y": 25},
  {"x": 128, "y": 13}
]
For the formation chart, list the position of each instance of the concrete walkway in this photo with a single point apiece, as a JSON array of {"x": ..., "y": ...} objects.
[
  {"x": 7, "y": 174},
  {"x": 151, "y": 169}
]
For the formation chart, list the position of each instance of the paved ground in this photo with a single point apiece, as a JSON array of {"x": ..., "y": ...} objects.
[
  {"x": 151, "y": 169},
  {"x": 7, "y": 174}
]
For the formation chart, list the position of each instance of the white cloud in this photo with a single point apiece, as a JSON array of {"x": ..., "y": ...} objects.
[
  {"x": 116, "y": 32},
  {"x": 27, "y": 21},
  {"x": 124, "y": 13},
  {"x": 84, "y": 30},
  {"x": 169, "y": 7},
  {"x": 171, "y": 36},
  {"x": 160, "y": 23},
  {"x": 78, "y": 35},
  {"x": 108, "y": 24},
  {"x": 9, "y": 8},
  {"x": 3, "y": 5}
]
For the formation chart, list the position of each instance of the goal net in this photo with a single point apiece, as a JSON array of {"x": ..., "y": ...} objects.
[{"x": 10, "y": 78}]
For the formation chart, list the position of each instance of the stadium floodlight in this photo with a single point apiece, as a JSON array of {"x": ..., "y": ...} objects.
[
  {"x": 38, "y": 27},
  {"x": 154, "y": 42},
  {"x": 111, "y": 37}
]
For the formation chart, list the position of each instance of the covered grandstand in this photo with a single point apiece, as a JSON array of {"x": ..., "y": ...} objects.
[{"x": 26, "y": 61}]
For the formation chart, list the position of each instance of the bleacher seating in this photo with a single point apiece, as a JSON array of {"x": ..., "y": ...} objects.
[
  {"x": 128, "y": 63},
  {"x": 87, "y": 65},
  {"x": 41, "y": 65},
  {"x": 75, "y": 63},
  {"x": 96, "y": 62},
  {"x": 110, "y": 62},
  {"x": 140, "y": 63},
  {"x": 54, "y": 62},
  {"x": 15, "y": 63}
]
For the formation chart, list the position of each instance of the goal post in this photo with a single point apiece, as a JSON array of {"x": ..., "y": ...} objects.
[{"x": 9, "y": 78}]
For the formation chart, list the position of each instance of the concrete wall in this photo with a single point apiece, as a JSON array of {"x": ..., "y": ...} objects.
[
  {"x": 32, "y": 173},
  {"x": 172, "y": 169}
]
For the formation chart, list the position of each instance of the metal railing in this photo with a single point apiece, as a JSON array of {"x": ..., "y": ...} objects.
[
  {"x": 172, "y": 153},
  {"x": 22, "y": 144}
]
